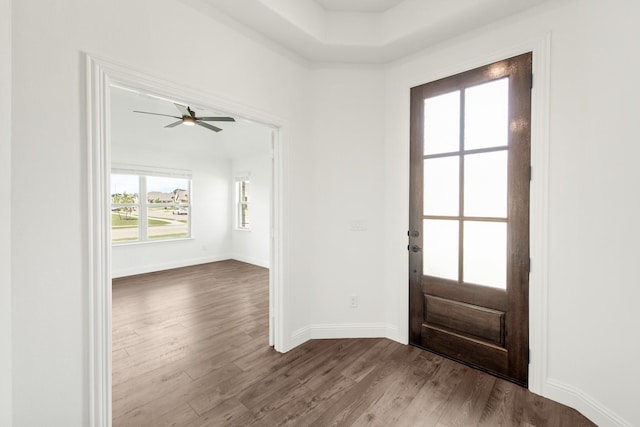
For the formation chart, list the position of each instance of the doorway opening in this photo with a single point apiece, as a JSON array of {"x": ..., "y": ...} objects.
[{"x": 103, "y": 78}]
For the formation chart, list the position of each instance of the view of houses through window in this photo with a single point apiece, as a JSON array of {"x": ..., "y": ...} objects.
[{"x": 163, "y": 214}]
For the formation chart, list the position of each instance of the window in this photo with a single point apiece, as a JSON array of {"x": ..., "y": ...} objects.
[
  {"x": 164, "y": 213},
  {"x": 242, "y": 203}
]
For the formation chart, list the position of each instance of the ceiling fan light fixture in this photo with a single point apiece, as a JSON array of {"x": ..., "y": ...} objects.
[{"x": 188, "y": 117}]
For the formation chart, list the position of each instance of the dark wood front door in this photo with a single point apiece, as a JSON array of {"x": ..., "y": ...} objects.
[{"x": 469, "y": 217}]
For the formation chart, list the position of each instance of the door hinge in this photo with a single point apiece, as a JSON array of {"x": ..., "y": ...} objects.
[
  {"x": 530, "y": 173},
  {"x": 531, "y": 81},
  {"x": 529, "y": 266}
]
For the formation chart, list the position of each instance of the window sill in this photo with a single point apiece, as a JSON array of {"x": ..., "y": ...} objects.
[{"x": 146, "y": 242}]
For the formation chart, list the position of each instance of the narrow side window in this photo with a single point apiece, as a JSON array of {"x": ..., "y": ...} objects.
[{"x": 242, "y": 203}]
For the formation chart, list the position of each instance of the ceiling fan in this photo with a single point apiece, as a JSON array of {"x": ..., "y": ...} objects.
[{"x": 188, "y": 118}]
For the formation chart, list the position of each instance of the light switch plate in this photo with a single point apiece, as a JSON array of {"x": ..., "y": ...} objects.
[{"x": 358, "y": 225}]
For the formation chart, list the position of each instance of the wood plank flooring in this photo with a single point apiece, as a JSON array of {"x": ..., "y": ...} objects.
[{"x": 190, "y": 348}]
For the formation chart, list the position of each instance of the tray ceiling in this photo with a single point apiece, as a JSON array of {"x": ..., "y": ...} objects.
[
  {"x": 361, "y": 31},
  {"x": 358, "y": 5}
]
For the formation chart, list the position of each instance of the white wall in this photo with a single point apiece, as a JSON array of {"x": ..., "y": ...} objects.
[
  {"x": 142, "y": 140},
  {"x": 253, "y": 245},
  {"x": 347, "y": 159},
  {"x": 5, "y": 215},
  {"x": 593, "y": 235},
  {"x": 49, "y": 157},
  {"x": 347, "y": 140}
]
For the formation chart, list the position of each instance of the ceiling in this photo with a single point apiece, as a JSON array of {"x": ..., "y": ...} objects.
[
  {"x": 358, "y": 5},
  {"x": 242, "y": 138},
  {"x": 360, "y": 31}
]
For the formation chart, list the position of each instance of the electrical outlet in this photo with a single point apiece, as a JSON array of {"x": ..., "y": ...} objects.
[{"x": 353, "y": 301}]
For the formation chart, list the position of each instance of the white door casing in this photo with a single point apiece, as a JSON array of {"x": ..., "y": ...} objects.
[{"x": 100, "y": 75}]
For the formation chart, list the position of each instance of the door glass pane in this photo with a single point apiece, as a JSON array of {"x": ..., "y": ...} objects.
[
  {"x": 485, "y": 184},
  {"x": 442, "y": 123},
  {"x": 440, "y": 250},
  {"x": 441, "y": 189},
  {"x": 486, "y": 117},
  {"x": 485, "y": 253}
]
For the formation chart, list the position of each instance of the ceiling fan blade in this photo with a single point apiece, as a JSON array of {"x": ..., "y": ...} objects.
[
  {"x": 208, "y": 126},
  {"x": 174, "y": 124},
  {"x": 156, "y": 114},
  {"x": 216, "y": 119},
  {"x": 184, "y": 111}
]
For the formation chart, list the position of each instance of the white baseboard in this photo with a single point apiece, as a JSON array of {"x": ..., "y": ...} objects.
[
  {"x": 394, "y": 334},
  {"x": 342, "y": 330},
  {"x": 150, "y": 268},
  {"x": 348, "y": 330},
  {"x": 251, "y": 260},
  {"x": 298, "y": 337},
  {"x": 583, "y": 403}
]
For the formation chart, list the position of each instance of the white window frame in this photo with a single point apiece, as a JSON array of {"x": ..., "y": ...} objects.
[
  {"x": 241, "y": 204},
  {"x": 144, "y": 172}
]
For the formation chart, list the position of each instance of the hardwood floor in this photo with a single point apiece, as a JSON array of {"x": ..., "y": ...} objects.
[{"x": 190, "y": 349}]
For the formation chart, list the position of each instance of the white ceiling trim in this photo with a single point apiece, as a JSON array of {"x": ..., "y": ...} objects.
[
  {"x": 358, "y": 5},
  {"x": 316, "y": 31}
]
